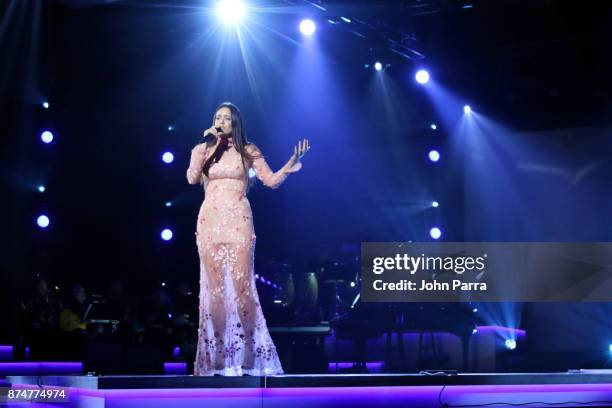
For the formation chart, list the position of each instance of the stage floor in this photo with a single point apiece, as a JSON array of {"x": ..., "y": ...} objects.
[{"x": 579, "y": 388}]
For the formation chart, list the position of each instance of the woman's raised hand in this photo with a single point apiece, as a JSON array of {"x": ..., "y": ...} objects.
[
  {"x": 300, "y": 150},
  {"x": 211, "y": 131}
]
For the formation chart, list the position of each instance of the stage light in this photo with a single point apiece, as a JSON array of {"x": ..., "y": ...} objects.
[
  {"x": 46, "y": 137},
  {"x": 474, "y": 331},
  {"x": 251, "y": 173},
  {"x": 467, "y": 109},
  {"x": 352, "y": 284},
  {"x": 475, "y": 310},
  {"x": 610, "y": 348},
  {"x": 170, "y": 128},
  {"x": 231, "y": 11},
  {"x": 163, "y": 284},
  {"x": 43, "y": 221},
  {"x": 422, "y": 76},
  {"x": 435, "y": 204},
  {"x": 168, "y": 157},
  {"x": 433, "y": 155},
  {"x": 345, "y": 19},
  {"x": 166, "y": 234},
  {"x": 45, "y": 105},
  {"x": 378, "y": 66},
  {"x": 307, "y": 27},
  {"x": 435, "y": 233},
  {"x": 433, "y": 126},
  {"x": 510, "y": 344},
  {"x": 355, "y": 300},
  {"x": 41, "y": 189},
  {"x": 168, "y": 203}
]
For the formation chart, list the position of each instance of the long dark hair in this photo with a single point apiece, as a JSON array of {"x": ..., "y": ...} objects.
[{"x": 238, "y": 139}]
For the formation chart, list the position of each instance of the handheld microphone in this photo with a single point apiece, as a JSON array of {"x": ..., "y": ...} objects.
[{"x": 211, "y": 137}]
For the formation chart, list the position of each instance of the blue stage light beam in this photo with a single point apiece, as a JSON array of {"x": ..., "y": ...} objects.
[
  {"x": 43, "y": 221},
  {"x": 46, "y": 137},
  {"x": 307, "y": 27},
  {"x": 435, "y": 233},
  {"x": 168, "y": 157},
  {"x": 422, "y": 76},
  {"x": 167, "y": 234},
  {"x": 231, "y": 12},
  {"x": 434, "y": 155}
]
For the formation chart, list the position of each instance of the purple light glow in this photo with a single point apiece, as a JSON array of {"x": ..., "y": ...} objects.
[
  {"x": 355, "y": 397},
  {"x": 506, "y": 331},
  {"x": 427, "y": 396},
  {"x": 175, "y": 368},
  {"x": 6, "y": 353},
  {"x": 153, "y": 396},
  {"x": 372, "y": 366},
  {"x": 33, "y": 368}
]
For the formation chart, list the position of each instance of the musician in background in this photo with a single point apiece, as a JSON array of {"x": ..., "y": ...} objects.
[
  {"x": 73, "y": 323},
  {"x": 41, "y": 311}
]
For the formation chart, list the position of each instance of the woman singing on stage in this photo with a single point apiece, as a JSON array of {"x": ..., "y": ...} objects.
[{"x": 233, "y": 338}]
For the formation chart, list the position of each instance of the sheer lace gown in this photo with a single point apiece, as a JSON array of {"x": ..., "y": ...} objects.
[{"x": 233, "y": 338}]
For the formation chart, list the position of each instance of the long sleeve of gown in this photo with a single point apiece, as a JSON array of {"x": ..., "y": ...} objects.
[
  {"x": 196, "y": 163},
  {"x": 265, "y": 174}
]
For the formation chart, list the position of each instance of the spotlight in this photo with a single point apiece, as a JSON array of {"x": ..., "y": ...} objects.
[
  {"x": 474, "y": 331},
  {"x": 435, "y": 204},
  {"x": 435, "y": 233},
  {"x": 434, "y": 155},
  {"x": 307, "y": 27},
  {"x": 467, "y": 109},
  {"x": 433, "y": 126},
  {"x": 475, "y": 310},
  {"x": 378, "y": 66},
  {"x": 168, "y": 157},
  {"x": 610, "y": 348},
  {"x": 352, "y": 284},
  {"x": 46, "y": 137},
  {"x": 166, "y": 234},
  {"x": 42, "y": 221},
  {"x": 163, "y": 284},
  {"x": 231, "y": 11},
  {"x": 45, "y": 105},
  {"x": 345, "y": 19},
  {"x": 41, "y": 189},
  {"x": 510, "y": 344},
  {"x": 168, "y": 203},
  {"x": 422, "y": 76},
  {"x": 170, "y": 128}
]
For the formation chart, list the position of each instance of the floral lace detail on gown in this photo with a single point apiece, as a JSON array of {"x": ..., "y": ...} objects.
[{"x": 233, "y": 338}]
